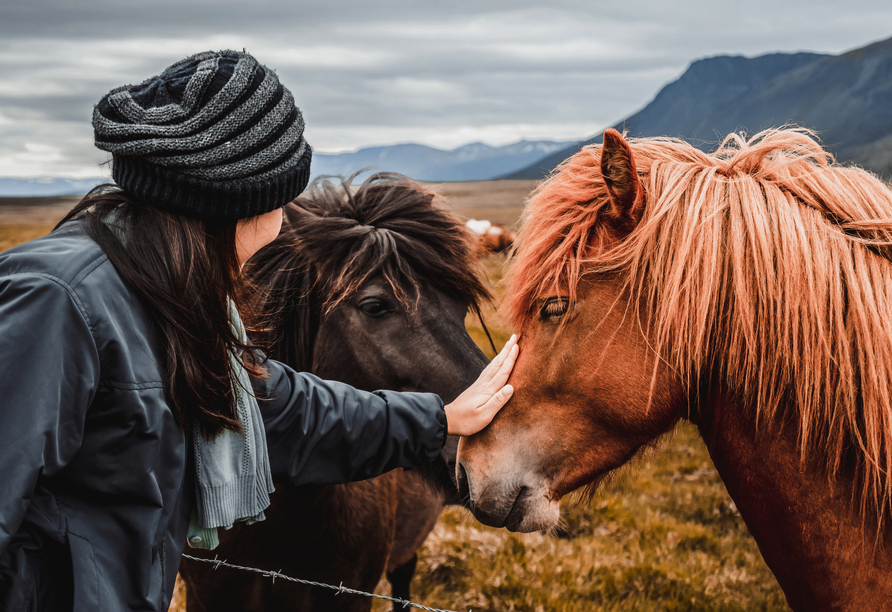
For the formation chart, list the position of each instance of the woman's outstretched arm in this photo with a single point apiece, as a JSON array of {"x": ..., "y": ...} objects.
[{"x": 326, "y": 432}]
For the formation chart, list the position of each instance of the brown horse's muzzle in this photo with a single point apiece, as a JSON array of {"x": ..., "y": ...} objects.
[{"x": 501, "y": 492}]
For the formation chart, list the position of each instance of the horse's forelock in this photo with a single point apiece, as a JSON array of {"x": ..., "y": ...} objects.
[
  {"x": 557, "y": 224},
  {"x": 763, "y": 261},
  {"x": 343, "y": 235}
]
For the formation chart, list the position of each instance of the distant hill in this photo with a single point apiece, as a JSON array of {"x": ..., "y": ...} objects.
[
  {"x": 847, "y": 98},
  {"x": 47, "y": 187},
  {"x": 471, "y": 162}
]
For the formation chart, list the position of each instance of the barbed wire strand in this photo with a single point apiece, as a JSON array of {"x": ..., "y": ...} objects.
[{"x": 217, "y": 563}]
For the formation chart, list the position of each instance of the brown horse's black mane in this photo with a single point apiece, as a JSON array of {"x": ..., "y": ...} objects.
[{"x": 335, "y": 237}]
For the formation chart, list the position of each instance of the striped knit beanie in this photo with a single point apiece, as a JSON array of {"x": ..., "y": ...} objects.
[{"x": 214, "y": 136}]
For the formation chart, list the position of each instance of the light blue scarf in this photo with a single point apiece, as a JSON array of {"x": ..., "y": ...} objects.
[
  {"x": 233, "y": 479},
  {"x": 232, "y": 475}
]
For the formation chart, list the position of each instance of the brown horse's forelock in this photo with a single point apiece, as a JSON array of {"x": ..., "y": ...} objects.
[
  {"x": 339, "y": 236},
  {"x": 764, "y": 262}
]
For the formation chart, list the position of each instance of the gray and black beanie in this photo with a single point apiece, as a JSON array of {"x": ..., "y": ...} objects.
[{"x": 215, "y": 136}]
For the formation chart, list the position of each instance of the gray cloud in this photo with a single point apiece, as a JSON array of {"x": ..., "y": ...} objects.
[{"x": 441, "y": 73}]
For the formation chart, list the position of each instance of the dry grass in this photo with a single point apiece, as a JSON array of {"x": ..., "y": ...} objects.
[
  {"x": 498, "y": 201},
  {"x": 23, "y": 219},
  {"x": 663, "y": 536},
  {"x": 11, "y": 235},
  {"x": 35, "y": 211}
]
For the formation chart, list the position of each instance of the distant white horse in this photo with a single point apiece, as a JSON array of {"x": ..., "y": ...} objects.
[{"x": 493, "y": 237}]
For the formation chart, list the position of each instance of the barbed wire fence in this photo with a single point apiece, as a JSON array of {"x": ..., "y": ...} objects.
[{"x": 405, "y": 603}]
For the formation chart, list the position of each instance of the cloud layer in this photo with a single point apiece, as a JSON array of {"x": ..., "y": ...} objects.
[{"x": 439, "y": 73}]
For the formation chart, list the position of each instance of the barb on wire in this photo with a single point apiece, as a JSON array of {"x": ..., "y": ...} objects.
[{"x": 340, "y": 589}]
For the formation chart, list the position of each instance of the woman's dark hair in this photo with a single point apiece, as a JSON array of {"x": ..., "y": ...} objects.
[{"x": 184, "y": 270}]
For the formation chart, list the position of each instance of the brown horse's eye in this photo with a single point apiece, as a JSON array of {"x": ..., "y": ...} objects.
[
  {"x": 554, "y": 308},
  {"x": 375, "y": 308}
]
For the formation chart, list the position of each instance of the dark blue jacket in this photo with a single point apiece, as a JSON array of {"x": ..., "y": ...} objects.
[{"x": 97, "y": 478}]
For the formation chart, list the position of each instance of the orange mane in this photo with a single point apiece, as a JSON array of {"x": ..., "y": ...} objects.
[{"x": 763, "y": 261}]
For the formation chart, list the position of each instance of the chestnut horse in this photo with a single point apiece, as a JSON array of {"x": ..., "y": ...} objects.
[
  {"x": 372, "y": 287},
  {"x": 748, "y": 290}
]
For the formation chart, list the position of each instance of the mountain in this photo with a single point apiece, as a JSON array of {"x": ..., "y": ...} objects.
[
  {"x": 847, "y": 98},
  {"x": 47, "y": 187},
  {"x": 471, "y": 162}
]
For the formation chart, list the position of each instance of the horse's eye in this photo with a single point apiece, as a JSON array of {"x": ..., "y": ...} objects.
[
  {"x": 554, "y": 308},
  {"x": 374, "y": 307}
]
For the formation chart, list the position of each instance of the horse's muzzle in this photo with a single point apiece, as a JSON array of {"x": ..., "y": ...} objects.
[{"x": 497, "y": 503}]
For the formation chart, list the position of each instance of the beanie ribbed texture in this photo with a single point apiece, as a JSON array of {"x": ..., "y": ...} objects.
[{"x": 215, "y": 136}]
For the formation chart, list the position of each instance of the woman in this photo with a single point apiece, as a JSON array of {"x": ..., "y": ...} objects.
[{"x": 130, "y": 412}]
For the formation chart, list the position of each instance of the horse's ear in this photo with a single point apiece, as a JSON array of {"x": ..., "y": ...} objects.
[{"x": 621, "y": 175}]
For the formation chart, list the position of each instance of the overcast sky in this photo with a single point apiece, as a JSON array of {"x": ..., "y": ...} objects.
[{"x": 442, "y": 72}]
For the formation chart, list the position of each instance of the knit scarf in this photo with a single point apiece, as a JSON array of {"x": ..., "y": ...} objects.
[{"x": 233, "y": 479}]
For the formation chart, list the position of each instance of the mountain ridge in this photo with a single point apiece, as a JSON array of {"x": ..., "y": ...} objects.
[
  {"x": 469, "y": 162},
  {"x": 473, "y": 161},
  {"x": 846, "y": 98}
]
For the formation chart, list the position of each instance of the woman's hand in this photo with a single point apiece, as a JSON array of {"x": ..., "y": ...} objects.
[{"x": 475, "y": 408}]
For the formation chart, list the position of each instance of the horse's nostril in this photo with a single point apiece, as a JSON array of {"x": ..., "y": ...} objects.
[{"x": 464, "y": 488}]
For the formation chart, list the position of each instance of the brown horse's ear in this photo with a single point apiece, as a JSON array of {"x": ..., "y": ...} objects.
[{"x": 621, "y": 175}]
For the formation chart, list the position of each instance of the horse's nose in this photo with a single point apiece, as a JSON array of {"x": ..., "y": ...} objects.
[{"x": 464, "y": 486}]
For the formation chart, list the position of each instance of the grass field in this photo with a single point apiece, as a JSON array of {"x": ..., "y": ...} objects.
[{"x": 663, "y": 535}]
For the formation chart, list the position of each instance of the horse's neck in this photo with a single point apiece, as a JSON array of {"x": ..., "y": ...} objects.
[{"x": 817, "y": 547}]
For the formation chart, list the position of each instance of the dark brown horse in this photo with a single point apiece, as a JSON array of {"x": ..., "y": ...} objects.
[
  {"x": 748, "y": 290},
  {"x": 372, "y": 286}
]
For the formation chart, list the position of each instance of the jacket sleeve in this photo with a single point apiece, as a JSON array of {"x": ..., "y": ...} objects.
[
  {"x": 326, "y": 432},
  {"x": 50, "y": 368}
]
